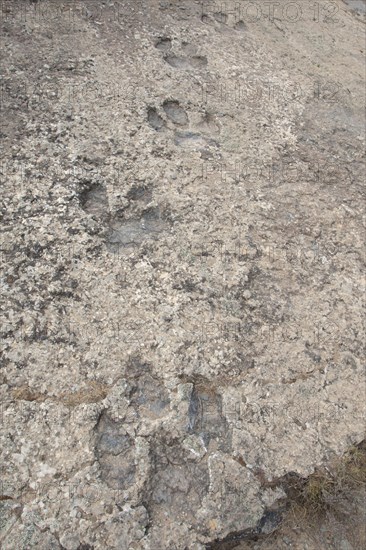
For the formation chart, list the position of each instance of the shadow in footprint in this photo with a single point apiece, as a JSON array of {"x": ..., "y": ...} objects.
[
  {"x": 149, "y": 397},
  {"x": 133, "y": 232},
  {"x": 163, "y": 44},
  {"x": 141, "y": 193},
  {"x": 115, "y": 454},
  {"x": 205, "y": 418},
  {"x": 220, "y": 17},
  {"x": 95, "y": 201},
  {"x": 175, "y": 112},
  {"x": 209, "y": 125},
  {"x": 189, "y": 49},
  {"x": 155, "y": 119},
  {"x": 191, "y": 140},
  {"x": 206, "y": 19},
  {"x": 178, "y": 482},
  {"x": 240, "y": 26},
  {"x": 179, "y": 62}
]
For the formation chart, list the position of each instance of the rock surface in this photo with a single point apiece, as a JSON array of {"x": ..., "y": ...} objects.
[{"x": 181, "y": 265}]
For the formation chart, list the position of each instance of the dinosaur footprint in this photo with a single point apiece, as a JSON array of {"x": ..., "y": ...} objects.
[
  {"x": 175, "y": 112},
  {"x": 155, "y": 119},
  {"x": 180, "y": 62},
  {"x": 163, "y": 44},
  {"x": 187, "y": 60}
]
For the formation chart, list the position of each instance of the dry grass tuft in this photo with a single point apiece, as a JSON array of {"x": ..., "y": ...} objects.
[
  {"x": 95, "y": 392},
  {"x": 24, "y": 393},
  {"x": 325, "y": 511},
  {"x": 331, "y": 490}
]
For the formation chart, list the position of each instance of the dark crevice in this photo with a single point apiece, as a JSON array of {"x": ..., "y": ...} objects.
[{"x": 268, "y": 523}]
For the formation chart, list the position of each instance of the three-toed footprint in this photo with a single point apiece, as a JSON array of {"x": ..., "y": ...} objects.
[
  {"x": 222, "y": 21},
  {"x": 171, "y": 111},
  {"x": 185, "y": 59},
  {"x": 172, "y": 116}
]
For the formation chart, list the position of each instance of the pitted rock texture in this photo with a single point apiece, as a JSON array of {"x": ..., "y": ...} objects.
[{"x": 182, "y": 266}]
